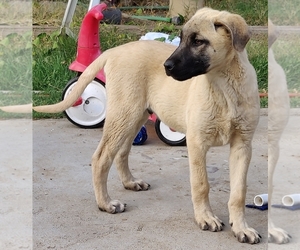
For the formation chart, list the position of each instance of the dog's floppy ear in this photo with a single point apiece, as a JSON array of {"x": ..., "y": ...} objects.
[
  {"x": 237, "y": 27},
  {"x": 272, "y": 33}
]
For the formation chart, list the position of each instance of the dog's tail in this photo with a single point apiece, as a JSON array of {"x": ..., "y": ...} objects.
[
  {"x": 25, "y": 108},
  {"x": 86, "y": 77}
]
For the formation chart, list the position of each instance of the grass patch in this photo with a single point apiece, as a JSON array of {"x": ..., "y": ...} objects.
[
  {"x": 52, "y": 54},
  {"x": 287, "y": 53},
  {"x": 51, "y": 13},
  {"x": 286, "y": 48},
  {"x": 255, "y": 12},
  {"x": 15, "y": 12},
  {"x": 283, "y": 12},
  {"x": 16, "y": 71},
  {"x": 15, "y": 56},
  {"x": 257, "y": 50}
]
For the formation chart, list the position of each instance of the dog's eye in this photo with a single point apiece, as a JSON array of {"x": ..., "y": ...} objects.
[
  {"x": 218, "y": 26},
  {"x": 199, "y": 42}
]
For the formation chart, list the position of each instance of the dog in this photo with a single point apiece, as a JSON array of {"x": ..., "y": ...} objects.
[
  {"x": 278, "y": 115},
  {"x": 205, "y": 88}
]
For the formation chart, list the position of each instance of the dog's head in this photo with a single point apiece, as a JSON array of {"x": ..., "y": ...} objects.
[{"x": 207, "y": 41}]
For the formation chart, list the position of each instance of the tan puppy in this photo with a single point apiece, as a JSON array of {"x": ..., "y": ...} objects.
[
  {"x": 278, "y": 114},
  {"x": 220, "y": 106}
]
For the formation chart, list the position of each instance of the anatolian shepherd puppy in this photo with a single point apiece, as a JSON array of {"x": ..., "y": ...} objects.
[
  {"x": 206, "y": 88},
  {"x": 278, "y": 115}
]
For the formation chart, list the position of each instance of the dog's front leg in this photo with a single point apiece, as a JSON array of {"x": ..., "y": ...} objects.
[
  {"x": 200, "y": 186},
  {"x": 240, "y": 155},
  {"x": 275, "y": 234}
]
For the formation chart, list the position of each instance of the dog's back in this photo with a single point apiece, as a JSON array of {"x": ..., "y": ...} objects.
[{"x": 151, "y": 53}]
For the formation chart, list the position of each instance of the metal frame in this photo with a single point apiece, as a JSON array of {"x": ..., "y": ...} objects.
[{"x": 69, "y": 13}]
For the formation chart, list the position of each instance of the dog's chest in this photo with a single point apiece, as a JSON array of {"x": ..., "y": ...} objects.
[
  {"x": 220, "y": 130},
  {"x": 223, "y": 119}
]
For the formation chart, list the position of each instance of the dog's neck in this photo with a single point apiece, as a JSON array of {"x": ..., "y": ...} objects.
[
  {"x": 237, "y": 85},
  {"x": 235, "y": 70}
]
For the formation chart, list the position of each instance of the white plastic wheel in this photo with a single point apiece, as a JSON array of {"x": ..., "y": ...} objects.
[
  {"x": 169, "y": 136},
  {"x": 91, "y": 111}
]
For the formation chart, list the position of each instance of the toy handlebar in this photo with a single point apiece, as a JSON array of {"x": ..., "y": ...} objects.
[
  {"x": 88, "y": 46},
  {"x": 89, "y": 26},
  {"x": 97, "y": 10}
]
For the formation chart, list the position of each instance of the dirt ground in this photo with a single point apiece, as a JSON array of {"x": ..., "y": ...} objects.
[{"x": 65, "y": 215}]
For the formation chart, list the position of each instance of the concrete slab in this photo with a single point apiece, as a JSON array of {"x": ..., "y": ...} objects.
[
  {"x": 66, "y": 216},
  {"x": 16, "y": 184},
  {"x": 61, "y": 212},
  {"x": 286, "y": 181}
]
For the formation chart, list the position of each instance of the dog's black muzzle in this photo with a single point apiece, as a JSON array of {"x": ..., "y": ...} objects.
[
  {"x": 183, "y": 65},
  {"x": 173, "y": 68},
  {"x": 169, "y": 66}
]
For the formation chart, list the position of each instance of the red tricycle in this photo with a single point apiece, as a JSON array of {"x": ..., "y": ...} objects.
[{"x": 89, "y": 110}]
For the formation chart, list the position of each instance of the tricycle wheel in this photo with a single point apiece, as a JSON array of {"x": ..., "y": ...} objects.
[
  {"x": 168, "y": 135},
  {"x": 141, "y": 137},
  {"x": 90, "y": 109}
]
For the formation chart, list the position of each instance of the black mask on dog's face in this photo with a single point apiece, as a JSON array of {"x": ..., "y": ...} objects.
[{"x": 189, "y": 59}]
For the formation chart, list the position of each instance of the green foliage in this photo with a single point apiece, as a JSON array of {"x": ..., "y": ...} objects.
[
  {"x": 111, "y": 36},
  {"x": 181, "y": 18},
  {"x": 161, "y": 39},
  {"x": 258, "y": 56},
  {"x": 255, "y": 12},
  {"x": 257, "y": 50},
  {"x": 15, "y": 69},
  {"x": 15, "y": 62},
  {"x": 168, "y": 28},
  {"x": 139, "y": 12},
  {"x": 283, "y": 12},
  {"x": 264, "y": 102},
  {"x": 287, "y": 53},
  {"x": 52, "y": 55}
]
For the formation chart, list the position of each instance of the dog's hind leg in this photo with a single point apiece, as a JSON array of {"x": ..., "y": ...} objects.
[
  {"x": 240, "y": 155},
  {"x": 120, "y": 128},
  {"x": 121, "y": 161},
  {"x": 101, "y": 162}
]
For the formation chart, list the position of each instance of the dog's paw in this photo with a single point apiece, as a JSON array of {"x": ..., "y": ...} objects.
[
  {"x": 246, "y": 234},
  {"x": 113, "y": 207},
  {"x": 136, "y": 185},
  {"x": 208, "y": 221},
  {"x": 278, "y": 236}
]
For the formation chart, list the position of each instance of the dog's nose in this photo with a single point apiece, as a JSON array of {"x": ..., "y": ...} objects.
[{"x": 169, "y": 65}]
